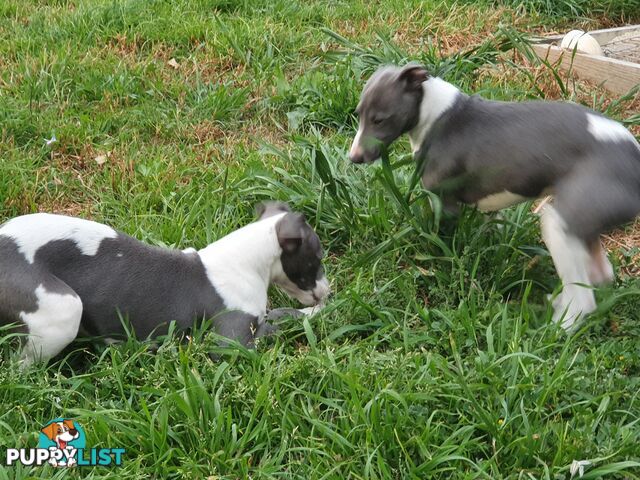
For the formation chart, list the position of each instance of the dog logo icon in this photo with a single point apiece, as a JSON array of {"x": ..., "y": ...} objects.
[
  {"x": 63, "y": 437},
  {"x": 63, "y": 443}
]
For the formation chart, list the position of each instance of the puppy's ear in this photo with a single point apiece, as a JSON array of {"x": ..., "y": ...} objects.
[
  {"x": 268, "y": 209},
  {"x": 413, "y": 76},
  {"x": 290, "y": 231},
  {"x": 50, "y": 430},
  {"x": 70, "y": 424}
]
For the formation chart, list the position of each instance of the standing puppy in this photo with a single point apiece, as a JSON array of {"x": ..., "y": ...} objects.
[
  {"x": 495, "y": 154},
  {"x": 59, "y": 273}
]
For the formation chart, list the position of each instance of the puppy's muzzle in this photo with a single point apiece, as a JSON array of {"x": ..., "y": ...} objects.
[
  {"x": 364, "y": 156},
  {"x": 356, "y": 158}
]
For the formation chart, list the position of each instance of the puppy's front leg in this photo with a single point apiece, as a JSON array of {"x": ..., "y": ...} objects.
[
  {"x": 267, "y": 328},
  {"x": 238, "y": 326}
]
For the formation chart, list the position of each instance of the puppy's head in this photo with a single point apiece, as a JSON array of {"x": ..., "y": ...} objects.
[
  {"x": 389, "y": 106},
  {"x": 298, "y": 270},
  {"x": 65, "y": 430}
]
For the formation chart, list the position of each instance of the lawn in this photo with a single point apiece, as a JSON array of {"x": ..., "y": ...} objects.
[{"x": 436, "y": 356}]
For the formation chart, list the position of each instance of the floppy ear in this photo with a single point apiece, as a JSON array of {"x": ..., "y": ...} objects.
[
  {"x": 268, "y": 209},
  {"x": 70, "y": 424},
  {"x": 290, "y": 231},
  {"x": 413, "y": 76},
  {"x": 50, "y": 431}
]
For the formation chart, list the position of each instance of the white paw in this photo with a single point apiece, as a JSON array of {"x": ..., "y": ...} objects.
[
  {"x": 25, "y": 362},
  {"x": 566, "y": 318},
  {"x": 311, "y": 310},
  {"x": 556, "y": 301},
  {"x": 573, "y": 304}
]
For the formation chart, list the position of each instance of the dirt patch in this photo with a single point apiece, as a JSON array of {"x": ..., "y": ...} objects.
[
  {"x": 625, "y": 245},
  {"x": 471, "y": 27},
  {"x": 212, "y": 67},
  {"x": 457, "y": 28},
  {"x": 219, "y": 143},
  {"x": 206, "y": 131},
  {"x": 62, "y": 205}
]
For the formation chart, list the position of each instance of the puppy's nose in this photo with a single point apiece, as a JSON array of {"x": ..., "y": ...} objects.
[{"x": 356, "y": 157}]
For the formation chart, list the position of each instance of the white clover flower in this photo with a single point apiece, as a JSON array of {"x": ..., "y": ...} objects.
[
  {"x": 50, "y": 141},
  {"x": 577, "y": 466}
]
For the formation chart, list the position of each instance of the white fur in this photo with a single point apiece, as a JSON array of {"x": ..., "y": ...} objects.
[
  {"x": 309, "y": 311},
  {"x": 356, "y": 148},
  {"x": 438, "y": 97},
  {"x": 239, "y": 265},
  {"x": 31, "y": 232},
  {"x": 322, "y": 288},
  {"x": 52, "y": 326},
  {"x": 606, "y": 130},
  {"x": 498, "y": 201},
  {"x": 572, "y": 262}
]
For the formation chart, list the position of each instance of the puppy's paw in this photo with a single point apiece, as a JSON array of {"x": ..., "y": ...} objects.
[
  {"x": 309, "y": 311},
  {"x": 572, "y": 306}
]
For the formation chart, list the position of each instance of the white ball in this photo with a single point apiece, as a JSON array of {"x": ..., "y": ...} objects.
[{"x": 582, "y": 42}]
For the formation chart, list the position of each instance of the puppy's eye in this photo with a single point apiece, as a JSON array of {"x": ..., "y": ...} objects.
[{"x": 378, "y": 120}]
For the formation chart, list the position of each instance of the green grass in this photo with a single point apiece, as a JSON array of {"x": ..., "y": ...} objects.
[{"x": 436, "y": 357}]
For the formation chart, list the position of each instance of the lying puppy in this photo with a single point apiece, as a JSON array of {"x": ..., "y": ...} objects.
[
  {"x": 495, "y": 154},
  {"x": 60, "y": 274}
]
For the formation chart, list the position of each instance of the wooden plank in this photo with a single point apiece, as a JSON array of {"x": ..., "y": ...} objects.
[
  {"x": 608, "y": 34},
  {"x": 615, "y": 75},
  {"x": 602, "y": 36}
]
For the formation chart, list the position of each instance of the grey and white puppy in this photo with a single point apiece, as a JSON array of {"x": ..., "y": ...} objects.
[
  {"x": 495, "y": 154},
  {"x": 60, "y": 275}
]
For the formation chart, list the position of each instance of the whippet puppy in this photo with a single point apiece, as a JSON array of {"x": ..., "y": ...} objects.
[
  {"x": 60, "y": 275},
  {"x": 495, "y": 154}
]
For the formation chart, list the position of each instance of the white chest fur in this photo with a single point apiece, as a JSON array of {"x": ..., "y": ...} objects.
[
  {"x": 239, "y": 266},
  {"x": 438, "y": 97}
]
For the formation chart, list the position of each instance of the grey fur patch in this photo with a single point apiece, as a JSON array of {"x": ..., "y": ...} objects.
[{"x": 269, "y": 209}]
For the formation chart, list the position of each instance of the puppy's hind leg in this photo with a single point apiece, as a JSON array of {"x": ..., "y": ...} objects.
[
  {"x": 572, "y": 259},
  {"x": 600, "y": 268},
  {"x": 594, "y": 199},
  {"x": 54, "y": 324}
]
